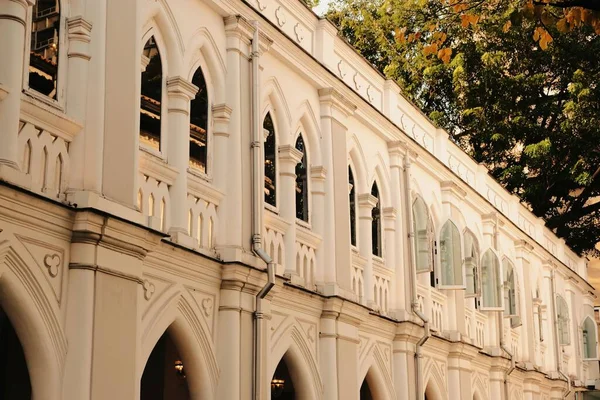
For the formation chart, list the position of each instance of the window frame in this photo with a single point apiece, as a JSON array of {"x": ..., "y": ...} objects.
[
  {"x": 164, "y": 136},
  {"x": 500, "y": 306},
  {"x": 439, "y": 272},
  {"x": 429, "y": 237},
  {"x": 585, "y": 354},
  {"x": 379, "y": 209},
  {"x": 511, "y": 288},
  {"x": 477, "y": 264},
  {"x": 206, "y": 175},
  {"x": 562, "y": 321},
  {"x": 352, "y": 192},
  {"x": 269, "y": 112},
  {"x": 306, "y": 223},
  {"x": 61, "y": 75}
]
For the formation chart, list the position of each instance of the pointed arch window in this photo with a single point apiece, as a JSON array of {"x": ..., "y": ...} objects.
[
  {"x": 589, "y": 339},
  {"x": 270, "y": 161},
  {"x": 151, "y": 97},
  {"x": 562, "y": 317},
  {"x": 423, "y": 236},
  {"x": 302, "y": 182},
  {"x": 511, "y": 293},
  {"x": 45, "y": 41},
  {"x": 472, "y": 273},
  {"x": 491, "y": 285},
  {"x": 199, "y": 124},
  {"x": 352, "y": 200},
  {"x": 450, "y": 257},
  {"x": 376, "y": 223}
]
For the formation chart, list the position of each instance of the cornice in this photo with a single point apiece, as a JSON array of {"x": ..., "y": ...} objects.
[
  {"x": 333, "y": 101},
  {"x": 176, "y": 85}
]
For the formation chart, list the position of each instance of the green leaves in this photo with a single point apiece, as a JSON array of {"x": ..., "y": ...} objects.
[{"x": 531, "y": 115}]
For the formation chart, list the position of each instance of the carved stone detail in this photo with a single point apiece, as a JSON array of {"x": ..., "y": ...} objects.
[
  {"x": 207, "y": 306},
  {"x": 299, "y": 31},
  {"x": 341, "y": 69},
  {"x": 280, "y": 15},
  {"x": 52, "y": 262},
  {"x": 149, "y": 289}
]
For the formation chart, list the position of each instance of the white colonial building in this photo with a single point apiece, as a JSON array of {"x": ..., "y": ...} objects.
[{"x": 220, "y": 199}]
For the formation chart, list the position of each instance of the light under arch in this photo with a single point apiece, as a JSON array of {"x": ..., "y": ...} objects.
[
  {"x": 176, "y": 315},
  {"x": 293, "y": 348}
]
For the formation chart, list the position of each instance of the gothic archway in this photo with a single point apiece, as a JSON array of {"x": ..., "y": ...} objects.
[
  {"x": 164, "y": 376},
  {"x": 282, "y": 384},
  {"x": 365, "y": 391},
  {"x": 14, "y": 375}
]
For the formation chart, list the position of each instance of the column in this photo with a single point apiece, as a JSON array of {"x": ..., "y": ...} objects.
[
  {"x": 180, "y": 92},
  {"x": 366, "y": 202},
  {"x": 79, "y": 34},
  {"x": 335, "y": 111},
  {"x": 103, "y": 314},
  {"x": 289, "y": 157},
  {"x": 122, "y": 102},
  {"x": 401, "y": 285},
  {"x": 318, "y": 177},
  {"x": 12, "y": 31},
  {"x": 229, "y": 345},
  {"x": 328, "y": 353},
  {"x": 389, "y": 227},
  {"x": 527, "y": 308},
  {"x": 228, "y": 164}
]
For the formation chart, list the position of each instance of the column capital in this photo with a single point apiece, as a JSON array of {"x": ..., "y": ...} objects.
[
  {"x": 367, "y": 201},
  {"x": 318, "y": 173},
  {"x": 289, "y": 154},
  {"x": 335, "y": 105},
  {"x": 401, "y": 153},
  {"x": 389, "y": 213},
  {"x": 238, "y": 27},
  {"x": 221, "y": 114},
  {"x": 79, "y": 28},
  {"x": 178, "y": 86},
  {"x": 523, "y": 248}
]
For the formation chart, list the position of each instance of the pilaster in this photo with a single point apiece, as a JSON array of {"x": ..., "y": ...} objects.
[{"x": 366, "y": 202}]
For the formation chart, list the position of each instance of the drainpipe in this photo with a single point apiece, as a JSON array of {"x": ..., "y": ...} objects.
[
  {"x": 557, "y": 350},
  {"x": 420, "y": 394},
  {"x": 257, "y": 219},
  {"x": 507, "y": 351}
]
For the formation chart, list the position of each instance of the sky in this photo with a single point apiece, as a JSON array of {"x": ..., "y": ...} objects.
[{"x": 322, "y": 7}]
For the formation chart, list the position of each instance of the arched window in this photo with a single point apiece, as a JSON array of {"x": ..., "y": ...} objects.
[
  {"x": 562, "y": 317},
  {"x": 491, "y": 285},
  {"x": 471, "y": 265},
  {"x": 199, "y": 124},
  {"x": 151, "y": 96},
  {"x": 376, "y": 223},
  {"x": 423, "y": 236},
  {"x": 45, "y": 40},
  {"x": 511, "y": 293},
  {"x": 589, "y": 339},
  {"x": 352, "y": 199},
  {"x": 450, "y": 256},
  {"x": 302, "y": 182},
  {"x": 270, "y": 161}
]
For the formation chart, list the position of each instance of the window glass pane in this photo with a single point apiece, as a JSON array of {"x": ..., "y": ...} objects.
[
  {"x": 450, "y": 257},
  {"x": 421, "y": 236},
  {"x": 490, "y": 280},
  {"x": 589, "y": 339},
  {"x": 151, "y": 97},
  {"x": 562, "y": 317},
  {"x": 352, "y": 199},
  {"x": 199, "y": 124},
  {"x": 43, "y": 56},
  {"x": 510, "y": 300},
  {"x": 270, "y": 161},
  {"x": 376, "y": 223},
  {"x": 302, "y": 182}
]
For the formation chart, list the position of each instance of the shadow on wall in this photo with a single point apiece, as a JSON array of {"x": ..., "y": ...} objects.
[{"x": 14, "y": 376}]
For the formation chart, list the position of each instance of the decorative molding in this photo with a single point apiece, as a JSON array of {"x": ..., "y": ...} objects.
[
  {"x": 299, "y": 31},
  {"x": 149, "y": 289},
  {"x": 262, "y": 5},
  {"x": 341, "y": 69},
  {"x": 154, "y": 167},
  {"x": 355, "y": 79},
  {"x": 207, "y": 306},
  {"x": 280, "y": 15},
  {"x": 52, "y": 262}
]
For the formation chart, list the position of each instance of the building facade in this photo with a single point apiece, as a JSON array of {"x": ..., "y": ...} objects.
[{"x": 220, "y": 199}]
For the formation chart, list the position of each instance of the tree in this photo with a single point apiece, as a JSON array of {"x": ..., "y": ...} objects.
[{"x": 532, "y": 116}]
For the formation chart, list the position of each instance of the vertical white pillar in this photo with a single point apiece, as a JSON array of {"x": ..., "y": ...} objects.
[
  {"x": 395, "y": 150},
  {"x": 389, "y": 247},
  {"x": 335, "y": 111},
  {"x": 12, "y": 31},
  {"x": 79, "y": 34},
  {"x": 366, "y": 202},
  {"x": 289, "y": 157},
  {"x": 328, "y": 353},
  {"x": 318, "y": 181},
  {"x": 122, "y": 102},
  {"x": 180, "y": 92},
  {"x": 229, "y": 344}
]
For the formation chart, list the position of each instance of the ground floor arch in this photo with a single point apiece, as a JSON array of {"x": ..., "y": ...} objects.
[{"x": 14, "y": 374}]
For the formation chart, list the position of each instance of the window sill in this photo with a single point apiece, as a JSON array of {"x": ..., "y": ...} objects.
[
  {"x": 205, "y": 177},
  {"x": 153, "y": 153},
  {"x": 37, "y": 96},
  {"x": 303, "y": 224},
  {"x": 271, "y": 208}
]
